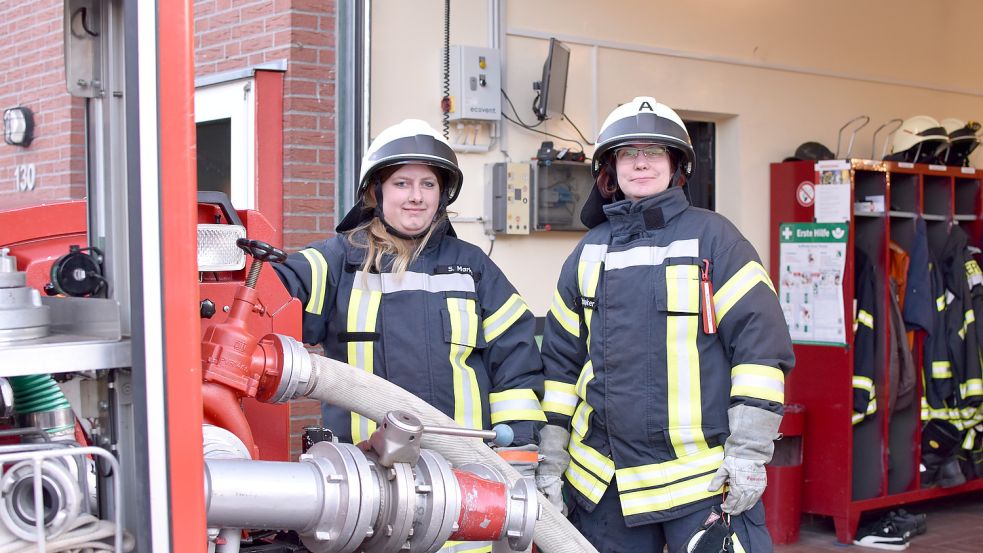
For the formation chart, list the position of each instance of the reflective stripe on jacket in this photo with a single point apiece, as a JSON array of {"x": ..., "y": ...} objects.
[
  {"x": 451, "y": 330},
  {"x": 629, "y": 364}
]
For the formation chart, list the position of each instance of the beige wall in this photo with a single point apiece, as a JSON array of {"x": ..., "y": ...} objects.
[{"x": 771, "y": 73}]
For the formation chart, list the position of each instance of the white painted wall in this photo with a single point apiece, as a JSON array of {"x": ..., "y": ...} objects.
[{"x": 771, "y": 73}]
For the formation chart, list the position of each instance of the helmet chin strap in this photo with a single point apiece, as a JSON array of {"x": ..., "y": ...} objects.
[{"x": 393, "y": 230}]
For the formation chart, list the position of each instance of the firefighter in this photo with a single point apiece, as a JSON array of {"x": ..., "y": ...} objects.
[
  {"x": 396, "y": 293},
  {"x": 665, "y": 352}
]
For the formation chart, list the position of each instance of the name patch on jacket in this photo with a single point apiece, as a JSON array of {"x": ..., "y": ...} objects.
[
  {"x": 588, "y": 303},
  {"x": 457, "y": 269}
]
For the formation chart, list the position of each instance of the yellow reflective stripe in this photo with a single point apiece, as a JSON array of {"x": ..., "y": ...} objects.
[
  {"x": 857, "y": 417},
  {"x": 588, "y": 273},
  {"x": 585, "y": 482},
  {"x": 866, "y": 319},
  {"x": 738, "y": 547},
  {"x": 683, "y": 382},
  {"x": 659, "y": 474},
  {"x": 940, "y": 303},
  {"x": 520, "y": 404},
  {"x": 941, "y": 369},
  {"x": 581, "y": 419},
  {"x": 968, "y": 318},
  {"x": 673, "y": 495},
  {"x": 586, "y": 375},
  {"x": 505, "y": 317},
  {"x": 319, "y": 280},
  {"x": 560, "y": 397},
  {"x": 567, "y": 317},
  {"x": 864, "y": 383},
  {"x": 464, "y": 330},
  {"x": 872, "y": 406},
  {"x": 683, "y": 288},
  {"x": 972, "y": 387},
  {"x": 363, "y": 310},
  {"x": 758, "y": 381},
  {"x": 466, "y": 547},
  {"x": 591, "y": 459},
  {"x": 738, "y": 286}
]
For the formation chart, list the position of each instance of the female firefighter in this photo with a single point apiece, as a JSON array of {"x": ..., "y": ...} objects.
[
  {"x": 395, "y": 292},
  {"x": 665, "y": 352}
]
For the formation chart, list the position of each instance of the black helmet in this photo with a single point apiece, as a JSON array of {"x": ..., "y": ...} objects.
[
  {"x": 407, "y": 142},
  {"x": 811, "y": 151}
]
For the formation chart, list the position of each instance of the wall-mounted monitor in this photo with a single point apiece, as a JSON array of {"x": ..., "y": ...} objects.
[{"x": 553, "y": 87}]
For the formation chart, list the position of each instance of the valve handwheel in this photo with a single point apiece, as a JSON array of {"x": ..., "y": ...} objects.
[{"x": 261, "y": 251}]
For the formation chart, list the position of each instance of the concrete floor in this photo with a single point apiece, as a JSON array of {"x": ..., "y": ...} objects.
[{"x": 955, "y": 525}]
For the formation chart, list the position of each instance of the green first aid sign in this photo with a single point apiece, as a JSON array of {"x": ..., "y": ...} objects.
[{"x": 812, "y": 232}]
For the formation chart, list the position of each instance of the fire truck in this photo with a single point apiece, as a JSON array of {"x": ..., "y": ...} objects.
[{"x": 144, "y": 338}]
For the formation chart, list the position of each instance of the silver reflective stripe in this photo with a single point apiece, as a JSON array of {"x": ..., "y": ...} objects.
[
  {"x": 651, "y": 255},
  {"x": 593, "y": 253},
  {"x": 388, "y": 283}
]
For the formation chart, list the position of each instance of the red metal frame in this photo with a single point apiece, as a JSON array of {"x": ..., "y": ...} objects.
[
  {"x": 822, "y": 377},
  {"x": 180, "y": 275},
  {"x": 269, "y": 150}
]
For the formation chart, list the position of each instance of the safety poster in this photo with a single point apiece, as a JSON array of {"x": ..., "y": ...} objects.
[{"x": 811, "y": 281}]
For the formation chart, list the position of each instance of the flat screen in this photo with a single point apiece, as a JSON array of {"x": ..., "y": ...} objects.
[{"x": 553, "y": 90}]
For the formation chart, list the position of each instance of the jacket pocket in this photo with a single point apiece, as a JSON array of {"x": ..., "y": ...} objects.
[
  {"x": 682, "y": 286},
  {"x": 462, "y": 324}
]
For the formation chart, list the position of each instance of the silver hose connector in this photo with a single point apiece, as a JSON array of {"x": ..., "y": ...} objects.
[{"x": 295, "y": 379}]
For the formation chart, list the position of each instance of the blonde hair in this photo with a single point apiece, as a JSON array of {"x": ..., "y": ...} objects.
[{"x": 379, "y": 243}]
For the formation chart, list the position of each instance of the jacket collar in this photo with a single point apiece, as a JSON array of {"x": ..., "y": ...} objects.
[
  {"x": 653, "y": 212},
  {"x": 356, "y": 255}
]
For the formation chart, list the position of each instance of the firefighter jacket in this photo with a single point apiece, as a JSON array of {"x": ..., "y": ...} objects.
[
  {"x": 643, "y": 359},
  {"x": 864, "y": 336},
  {"x": 954, "y": 386},
  {"x": 452, "y": 330}
]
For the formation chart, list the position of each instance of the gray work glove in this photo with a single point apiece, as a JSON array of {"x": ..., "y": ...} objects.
[
  {"x": 523, "y": 458},
  {"x": 752, "y": 441},
  {"x": 553, "y": 443}
]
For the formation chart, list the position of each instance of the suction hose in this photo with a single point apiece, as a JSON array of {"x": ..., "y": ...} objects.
[
  {"x": 370, "y": 396},
  {"x": 38, "y": 401}
]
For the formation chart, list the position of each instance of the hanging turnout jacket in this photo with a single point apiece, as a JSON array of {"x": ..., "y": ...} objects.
[
  {"x": 643, "y": 359},
  {"x": 452, "y": 330},
  {"x": 865, "y": 317}
]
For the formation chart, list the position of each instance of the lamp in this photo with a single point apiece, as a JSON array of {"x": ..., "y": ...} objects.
[{"x": 18, "y": 126}]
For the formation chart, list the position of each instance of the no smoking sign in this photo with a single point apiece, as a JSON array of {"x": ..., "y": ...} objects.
[{"x": 805, "y": 194}]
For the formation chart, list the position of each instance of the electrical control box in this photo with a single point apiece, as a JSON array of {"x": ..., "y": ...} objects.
[
  {"x": 510, "y": 201},
  {"x": 560, "y": 188},
  {"x": 536, "y": 195},
  {"x": 475, "y": 83}
]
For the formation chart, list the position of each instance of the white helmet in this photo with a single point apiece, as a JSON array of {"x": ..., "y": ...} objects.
[
  {"x": 919, "y": 140},
  {"x": 643, "y": 120},
  {"x": 962, "y": 140},
  {"x": 409, "y": 141}
]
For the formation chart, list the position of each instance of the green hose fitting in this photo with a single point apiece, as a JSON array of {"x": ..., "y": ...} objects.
[{"x": 38, "y": 401}]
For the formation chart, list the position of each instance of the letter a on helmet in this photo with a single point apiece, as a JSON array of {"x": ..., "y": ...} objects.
[{"x": 643, "y": 120}]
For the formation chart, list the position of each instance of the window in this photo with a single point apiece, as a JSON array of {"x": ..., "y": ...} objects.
[
  {"x": 225, "y": 118},
  {"x": 702, "y": 185}
]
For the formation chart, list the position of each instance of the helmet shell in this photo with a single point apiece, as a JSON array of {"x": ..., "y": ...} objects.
[
  {"x": 411, "y": 141},
  {"x": 643, "y": 120},
  {"x": 917, "y": 130}
]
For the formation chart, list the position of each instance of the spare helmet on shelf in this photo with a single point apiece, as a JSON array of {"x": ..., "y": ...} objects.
[
  {"x": 963, "y": 139},
  {"x": 919, "y": 140},
  {"x": 811, "y": 151}
]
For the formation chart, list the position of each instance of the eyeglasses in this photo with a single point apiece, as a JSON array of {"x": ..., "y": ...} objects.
[{"x": 651, "y": 153}]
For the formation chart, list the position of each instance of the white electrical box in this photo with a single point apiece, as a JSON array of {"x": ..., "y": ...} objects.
[{"x": 475, "y": 84}]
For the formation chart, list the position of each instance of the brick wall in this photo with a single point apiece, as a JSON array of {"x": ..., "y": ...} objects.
[
  {"x": 32, "y": 75},
  {"x": 238, "y": 34}
]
